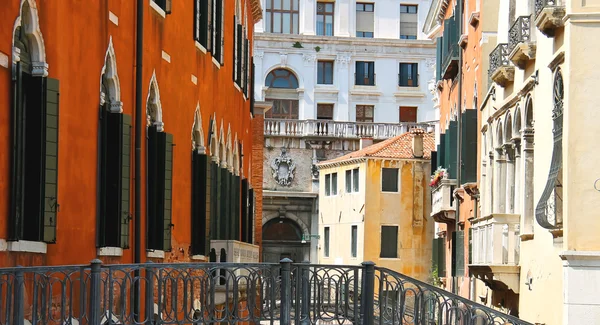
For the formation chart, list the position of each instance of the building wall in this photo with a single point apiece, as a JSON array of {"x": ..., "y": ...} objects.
[
  {"x": 371, "y": 208},
  {"x": 76, "y": 38}
]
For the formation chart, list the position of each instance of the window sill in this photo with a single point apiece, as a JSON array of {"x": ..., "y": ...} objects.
[
  {"x": 155, "y": 254},
  {"x": 237, "y": 87},
  {"x": 390, "y": 258},
  {"x": 110, "y": 251},
  {"x": 199, "y": 258},
  {"x": 200, "y": 47},
  {"x": 158, "y": 9},
  {"x": 216, "y": 63},
  {"x": 27, "y": 246}
]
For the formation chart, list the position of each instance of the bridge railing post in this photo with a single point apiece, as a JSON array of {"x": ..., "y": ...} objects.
[
  {"x": 367, "y": 306},
  {"x": 286, "y": 291},
  {"x": 95, "y": 293}
]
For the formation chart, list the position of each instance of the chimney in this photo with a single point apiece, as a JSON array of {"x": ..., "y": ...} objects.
[
  {"x": 417, "y": 142},
  {"x": 365, "y": 142}
]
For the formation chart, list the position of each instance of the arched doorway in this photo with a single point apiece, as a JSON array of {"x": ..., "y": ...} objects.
[{"x": 282, "y": 238}]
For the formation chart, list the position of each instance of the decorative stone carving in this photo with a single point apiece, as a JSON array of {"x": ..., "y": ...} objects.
[
  {"x": 343, "y": 59},
  {"x": 430, "y": 63},
  {"x": 283, "y": 58},
  {"x": 309, "y": 58},
  {"x": 39, "y": 69},
  {"x": 258, "y": 55},
  {"x": 283, "y": 168}
]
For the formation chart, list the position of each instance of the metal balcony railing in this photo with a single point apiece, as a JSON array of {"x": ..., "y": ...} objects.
[
  {"x": 541, "y": 4},
  {"x": 520, "y": 32},
  {"x": 498, "y": 58},
  {"x": 405, "y": 82},
  {"x": 209, "y": 293},
  {"x": 338, "y": 129},
  {"x": 368, "y": 80}
]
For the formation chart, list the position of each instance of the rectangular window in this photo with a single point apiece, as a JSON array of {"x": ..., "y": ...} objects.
[
  {"x": 325, "y": 18},
  {"x": 283, "y": 109},
  {"x": 334, "y": 184},
  {"x": 408, "y": 21},
  {"x": 326, "y": 235},
  {"x": 200, "y": 180},
  {"x": 352, "y": 180},
  {"x": 327, "y": 184},
  {"x": 389, "y": 179},
  {"x": 201, "y": 22},
  {"x": 324, "y": 111},
  {"x": 408, "y": 114},
  {"x": 389, "y": 242},
  {"x": 364, "y": 113},
  {"x": 164, "y": 5},
  {"x": 365, "y": 24},
  {"x": 282, "y": 16},
  {"x": 408, "y": 75},
  {"x": 325, "y": 72},
  {"x": 354, "y": 243},
  {"x": 365, "y": 73},
  {"x": 218, "y": 31}
]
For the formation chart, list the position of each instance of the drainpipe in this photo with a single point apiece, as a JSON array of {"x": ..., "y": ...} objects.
[
  {"x": 139, "y": 122},
  {"x": 459, "y": 126}
]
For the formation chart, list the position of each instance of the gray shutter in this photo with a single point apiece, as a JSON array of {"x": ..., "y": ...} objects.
[
  {"x": 125, "y": 179},
  {"x": 235, "y": 57},
  {"x": 168, "y": 189},
  {"x": 51, "y": 161},
  {"x": 458, "y": 256}
]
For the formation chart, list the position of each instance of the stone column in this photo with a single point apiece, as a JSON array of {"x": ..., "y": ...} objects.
[
  {"x": 527, "y": 174},
  {"x": 518, "y": 175},
  {"x": 489, "y": 189},
  {"x": 509, "y": 154},
  {"x": 500, "y": 182},
  {"x": 258, "y": 75}
]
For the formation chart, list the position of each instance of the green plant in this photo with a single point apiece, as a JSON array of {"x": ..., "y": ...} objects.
[
  {"x": 435, "y": 278},
  {"x": 317, "y": 48},
  {"x": 298, "y": 45}
]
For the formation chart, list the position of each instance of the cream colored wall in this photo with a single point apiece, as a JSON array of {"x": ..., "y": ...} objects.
[
  {"x": 414, "y": 241},
  {"x": 349, "y": 206}
]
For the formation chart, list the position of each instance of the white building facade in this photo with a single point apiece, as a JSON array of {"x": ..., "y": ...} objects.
[{"x": 339, "y": 75}]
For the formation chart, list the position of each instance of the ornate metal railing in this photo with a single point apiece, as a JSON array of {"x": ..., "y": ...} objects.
[
  {"x": 498, "y": 57},
  {"x": 338, "y": 129},
  {"x": 209, "y": 293},
  {"x": 541, "y": 4},
  {"x": 520, "y": 32}
]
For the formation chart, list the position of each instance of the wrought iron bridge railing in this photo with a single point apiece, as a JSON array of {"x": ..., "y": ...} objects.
[
  {"x": 499, "y": 57},
  {"x": 520, "y": 32},
  {"x": 209, "y": 293},
  {"x": 339, "y": 129}
]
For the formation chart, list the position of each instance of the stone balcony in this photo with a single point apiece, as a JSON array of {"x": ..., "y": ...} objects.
[
  {"x": 496, "y": 246},
  {"x": 338, "y": 129},
  {"x": 443, "y": 208},
  {"x": 500, "y": 71},
  {"x": 520, "y": 45},
  {"x": 549, "y": 15}
]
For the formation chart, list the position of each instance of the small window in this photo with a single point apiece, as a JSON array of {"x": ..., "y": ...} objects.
[
  {"x": 364, "y": 113},
  {"x": 164, "y": 5},
  {"x": 352, "y": 180},
  {"x": 324, "y": 111},
  {"x": 389, "y": 242},
  {"x": 408, "y": 75},
  {"x": 408, "y": 22},
  {"x": 328, "y": 185},
  {"x": 325, "y": 72},
  {"x": 365, "y": 22},
  {"x": 354, "y": 243},
  {"x": 325, "y": 18},
  {"x": 365, "y": 73},
  {"x": 389, "y": 179},
  {"x": 334, "y": 184},
  {"x": 283, "y": 109},
  {"x": 408, "y": 114},
  {"x": 282, "y": 16},
  {"x": 326, "y": 235}
]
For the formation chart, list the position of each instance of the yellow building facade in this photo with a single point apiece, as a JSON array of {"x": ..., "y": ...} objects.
[{"x": 374, "y": 203}]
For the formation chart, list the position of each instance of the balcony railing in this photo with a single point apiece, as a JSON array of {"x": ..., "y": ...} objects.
[
  {"x": 541, "y": 4},
  {"x": 368, "y": 80},
  {"x": 520, "y": 45},
  {"x": 338, "y": 129},
  {"x": 443, "y": 208},
  {"x": 500, "y": 70},
  {"x": 408, "y": 82},
  {"x": 450, "y": 63},
  {"x": 209, "y": 293}
]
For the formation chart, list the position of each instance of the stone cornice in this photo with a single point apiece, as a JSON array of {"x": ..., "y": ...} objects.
[{"x": 355, "y": 41}]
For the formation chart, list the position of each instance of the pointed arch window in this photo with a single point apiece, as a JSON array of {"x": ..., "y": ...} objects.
[
  {"x": 35, "y": 122},
  {"x": 548, "y": 211},
  {"x": 201, "y": 180},
  {"x": 114, "y": 152}
]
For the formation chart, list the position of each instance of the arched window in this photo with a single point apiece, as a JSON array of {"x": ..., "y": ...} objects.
[{"x": 281, "y": 78}]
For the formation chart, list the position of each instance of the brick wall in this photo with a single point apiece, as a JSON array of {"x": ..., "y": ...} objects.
[{"x": 256, "y": 165}]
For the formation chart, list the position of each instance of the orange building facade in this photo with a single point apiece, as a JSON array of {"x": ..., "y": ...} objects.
[
  {"x": 72, "y": 93},
  {"x": 456, "y": 29}
]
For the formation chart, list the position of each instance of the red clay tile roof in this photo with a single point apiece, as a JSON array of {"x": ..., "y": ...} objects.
[{"x": 399, "y": 147}]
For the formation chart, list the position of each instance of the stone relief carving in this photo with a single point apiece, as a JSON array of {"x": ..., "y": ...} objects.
[
  {"x": 309, "y": 58},
  {"x": 342, "y": 59},
  {"x": 283, "y": 58},
  {"x": 430, "y": 63},
  {"x": 283, "y": 168}
]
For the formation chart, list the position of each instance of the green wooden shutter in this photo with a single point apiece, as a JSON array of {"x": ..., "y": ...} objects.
[
  {"x": 435, "y": 256},
  {"x": 442, "y": 257},
  {"x": 236, "y": 207},
  {"x": 125, "y": 179},
  {"x": 244, "y": 211},
  {"x": 458, "y": 253},
  {"x": 51, "y": 161},
  {"x": 222, "y": 203},
  {"x": 433, "y": 161},
  {"x": 250, "y": 215},
  {"x": 153, "y": 153},
  {"x": 199, "y": 203},
  {"x": 442, "y": 152},
  {"x": 438, "y": 59},
  {"x": 17, "y": 179},
  {"x": 451, "y": 150},
  {"x": 168, "y": 186},
  {"x": 469, "y": 146},
  {"x": 245, "y": 70}
]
